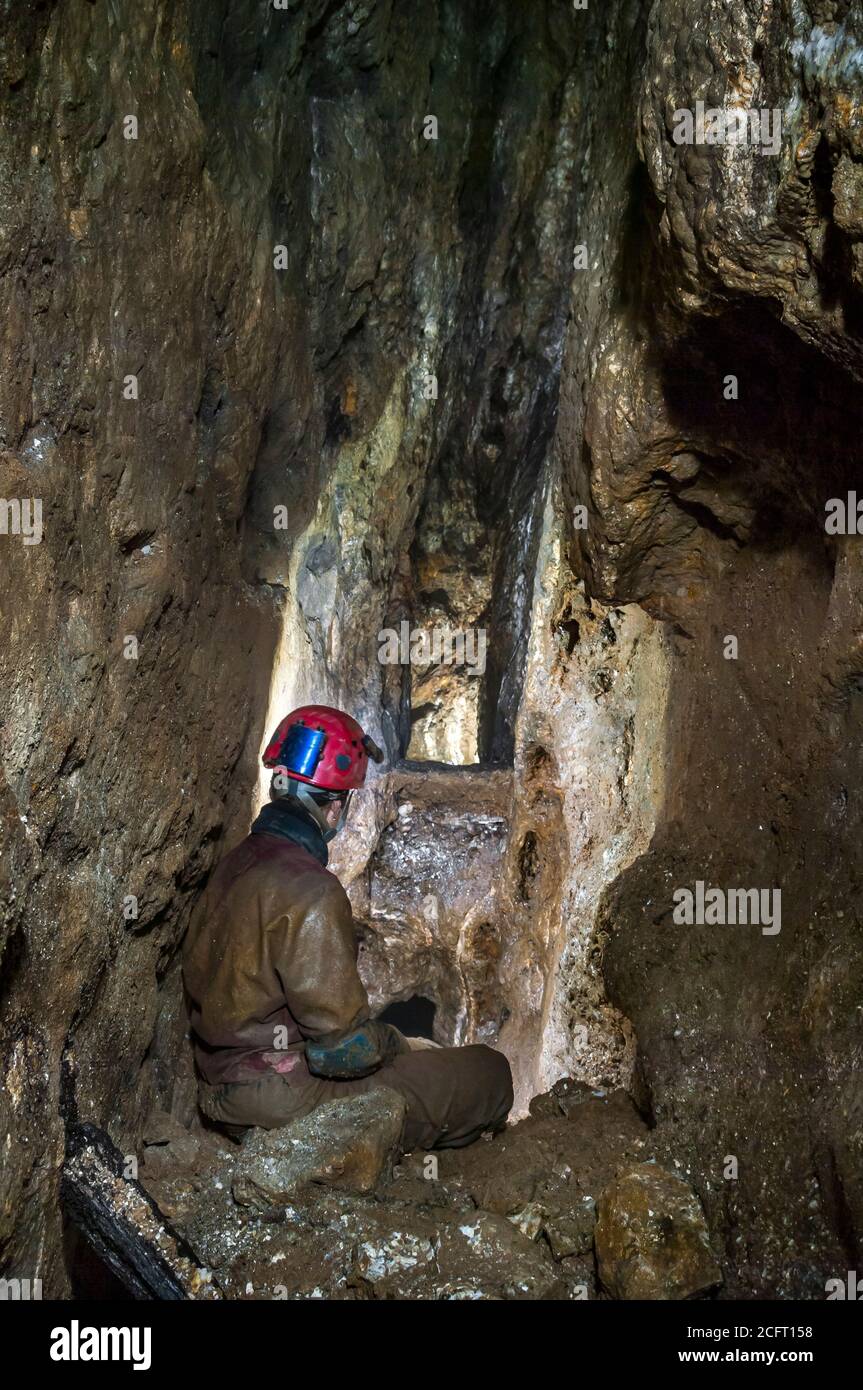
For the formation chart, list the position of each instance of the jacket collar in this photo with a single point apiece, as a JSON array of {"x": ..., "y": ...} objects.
[{"x": 292, "y": 823}]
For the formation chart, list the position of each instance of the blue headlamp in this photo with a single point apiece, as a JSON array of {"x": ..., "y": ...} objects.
[{"x": 302, "y": 749}]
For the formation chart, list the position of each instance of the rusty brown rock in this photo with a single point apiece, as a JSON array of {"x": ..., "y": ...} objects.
[{"x": 651, "y": 1237}]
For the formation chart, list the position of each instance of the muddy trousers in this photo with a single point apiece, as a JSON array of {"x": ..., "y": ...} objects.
[{"x": 452, "y": 1094}]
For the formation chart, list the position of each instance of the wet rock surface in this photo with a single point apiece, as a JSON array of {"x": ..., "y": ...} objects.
[
  {"x": 651, "y": 1237},
  {"x": 429, "y": 908}
]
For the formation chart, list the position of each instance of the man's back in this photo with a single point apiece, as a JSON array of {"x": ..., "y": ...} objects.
[{"x": 273, "y": 924}]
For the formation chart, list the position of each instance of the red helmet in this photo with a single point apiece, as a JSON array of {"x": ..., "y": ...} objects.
[{"x": 322, "y": 747}]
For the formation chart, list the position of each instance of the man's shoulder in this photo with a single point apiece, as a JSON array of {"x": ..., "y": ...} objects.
[{"x": 280, "y": 866}]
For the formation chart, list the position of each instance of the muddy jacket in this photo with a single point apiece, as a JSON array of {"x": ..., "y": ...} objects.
[{"x": 270, "y": 964}]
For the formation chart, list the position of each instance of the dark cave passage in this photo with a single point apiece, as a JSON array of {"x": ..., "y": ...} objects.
[{"x": 414, "y": 1016}]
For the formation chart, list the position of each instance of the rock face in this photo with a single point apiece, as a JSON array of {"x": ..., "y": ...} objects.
[
  {"x": 344, "y": 1143},
  {"x": 326, "y": 321},
  {"x": 433, "y": 915},
  {"x": 722, "y": 417},
  {"x": 651, "y": 1238}
]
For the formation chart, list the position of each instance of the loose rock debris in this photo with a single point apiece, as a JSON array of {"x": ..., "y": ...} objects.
[{"x": 317, "y": 1210}]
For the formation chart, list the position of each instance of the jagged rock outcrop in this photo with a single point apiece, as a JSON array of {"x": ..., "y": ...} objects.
[
  {"x": 431, "y": 913},
  {"x": 720, "y": 420}
]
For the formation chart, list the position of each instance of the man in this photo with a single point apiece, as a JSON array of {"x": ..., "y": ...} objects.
[{"x": 280, "y": 1016}]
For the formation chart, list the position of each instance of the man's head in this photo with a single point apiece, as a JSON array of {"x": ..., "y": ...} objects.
[{"x": 319, "y": 756}]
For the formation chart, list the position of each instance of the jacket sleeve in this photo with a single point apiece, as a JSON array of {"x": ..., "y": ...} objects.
[{"x": 317, "y": 965}]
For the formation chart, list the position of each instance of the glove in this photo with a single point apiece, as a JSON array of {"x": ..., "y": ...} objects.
[{"x": 348, "y": 1056}]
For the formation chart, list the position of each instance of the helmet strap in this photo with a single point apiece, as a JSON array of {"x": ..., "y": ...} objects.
[
  {"x": 300, "y": 791},
  {"x": 339, "y": 825}
]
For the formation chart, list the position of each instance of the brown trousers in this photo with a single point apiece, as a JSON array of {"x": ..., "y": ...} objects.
[{"x": 452, "y": 1095}]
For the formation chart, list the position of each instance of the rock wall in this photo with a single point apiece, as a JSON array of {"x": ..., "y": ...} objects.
[
  {"x": 135, "y": 658},
  {"x": 431, "y": 906},
  {"x": 327, "y": 319},
  {"x": 708, "y": 509}
]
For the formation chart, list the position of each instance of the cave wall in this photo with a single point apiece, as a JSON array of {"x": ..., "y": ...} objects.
[
  {"x": 708, "y": 510},
  {"x": 117, "y": 258},
  {"x": 430, "y": 901},
  {"x": 450, "y": 514},
  {"x": 283, "y": 488}
]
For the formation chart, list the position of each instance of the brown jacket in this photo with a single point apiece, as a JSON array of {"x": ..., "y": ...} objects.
[{"x": 269, "y": 961}]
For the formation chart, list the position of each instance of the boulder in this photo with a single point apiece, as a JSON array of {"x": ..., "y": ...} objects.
[
  {"x": 651, "y": 1237},
  {"x": 348, "y": 1143},
  {"x": 564, "y": 1097}
]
